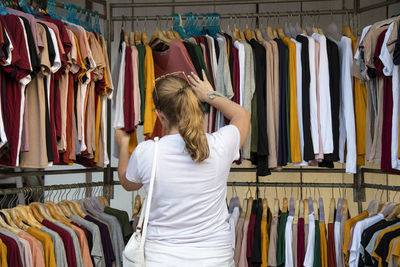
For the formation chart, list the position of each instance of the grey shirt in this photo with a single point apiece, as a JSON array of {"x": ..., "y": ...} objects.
[
  {"x": 15, "y": 237},
  {"x": 97, "y": 249},
  {"x": 75, "y": 240},
  {"x": 117, "y": 237},
  {"x": 59, "y": 249}
]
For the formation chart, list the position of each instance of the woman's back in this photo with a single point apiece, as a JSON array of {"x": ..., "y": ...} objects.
[{"x": 188, "y": 205}]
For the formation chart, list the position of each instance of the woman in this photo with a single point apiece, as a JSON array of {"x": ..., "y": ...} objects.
[{"x": 188, "y": 219}]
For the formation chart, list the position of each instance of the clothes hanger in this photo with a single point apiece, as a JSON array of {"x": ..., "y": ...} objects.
[
  {"x": 131, "y": 39},
  {"x": 248, "y": 33},
  {"x": 276, "y": 203},
  {"x": 321, "y": 208},
  {"x": 249, "y": 205},
  {"x": 301, "y": 209},
  {"x": 265, "y": 205},
  {"x": 9, "y": 221},
  {"x": 7, "y": 227},
  {"x": 285, "y": 202},
  {"x": 26, "y": 214},
  {"x": 332, "y": 207},
  {"x": 259, "y": 34},
  {"x": 291, "y": 207},
  {"x": 306, "y": 210}
]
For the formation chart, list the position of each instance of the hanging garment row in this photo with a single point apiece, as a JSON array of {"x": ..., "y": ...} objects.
[
  {"x": 376, "y": 66},
  {"x": 298, "y": 235},
  {"x": 296, "y": 83},
  {"x": 55, "y": 83},
  {"x": 84, "y": 233}
]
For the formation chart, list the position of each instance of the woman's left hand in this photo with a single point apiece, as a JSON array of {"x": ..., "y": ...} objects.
[{"x": 121, "y": 137}]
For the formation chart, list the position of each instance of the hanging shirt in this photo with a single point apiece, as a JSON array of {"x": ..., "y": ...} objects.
[
  {"x": 347, "y": 123},
  {"x": 308, "y": 151},
  {"x": 295, "y": 150},
  {"x": 313, "y": 97},
  {"x": 281, "y": 246},
  {"x": 309, "y": 257},
  {"x": 289, "y": 242},
  {"x": 249, "y": 88},
  {"x": 273, "y": 242},
  {"x": 299, "y": 94},
  {"x": 358, "y": 229}
]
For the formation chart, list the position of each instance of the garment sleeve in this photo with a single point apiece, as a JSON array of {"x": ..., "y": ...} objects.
[
  {"x": 228, "y": 142},
  {"x": 140, "y": 163}
]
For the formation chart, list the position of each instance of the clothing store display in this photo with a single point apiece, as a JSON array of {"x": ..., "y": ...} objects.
[{"x": 56, "y": 78}]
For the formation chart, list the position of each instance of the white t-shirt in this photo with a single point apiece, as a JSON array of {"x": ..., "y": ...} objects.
[{"x": 189, "y": 198}]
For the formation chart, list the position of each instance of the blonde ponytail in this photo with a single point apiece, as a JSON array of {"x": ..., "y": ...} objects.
[{"x": 174, "y": 97}]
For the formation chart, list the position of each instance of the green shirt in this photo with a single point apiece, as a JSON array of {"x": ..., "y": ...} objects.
[
  {"x": 317, "y": 246},
  {"x": 123, "y": 220},
  {"x": 280, "y": 251}
]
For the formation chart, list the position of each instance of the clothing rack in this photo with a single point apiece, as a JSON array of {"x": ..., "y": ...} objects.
[{"x": 358, "y": 186}]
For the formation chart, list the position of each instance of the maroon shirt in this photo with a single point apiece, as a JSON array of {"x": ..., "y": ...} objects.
[
  {"x": 67, "y": 240},
  {"x": 129, "y": 106},
  {"x": 13, "y": 253},
  {"x": 331, "y": 245},
  {"x": 300, "y": 243},
  {"x": 175, "y": 59},
  {"x": 12, "y": 75},
  {"x": 386, "y": 164},
  {"x": 250, "y": 234}
]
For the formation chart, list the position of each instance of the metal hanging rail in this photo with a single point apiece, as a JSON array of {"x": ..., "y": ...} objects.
[
  {"x": 289, "y": 184},
  {"x": 12, "y": 191},
  {"x": 211, "y": 3},
  {"x": 235, "y": 15}
]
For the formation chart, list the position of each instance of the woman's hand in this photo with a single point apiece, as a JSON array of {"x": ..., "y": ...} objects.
[
  {"x": 121, "y": 138},
  {"x": 199, "y": 87}
]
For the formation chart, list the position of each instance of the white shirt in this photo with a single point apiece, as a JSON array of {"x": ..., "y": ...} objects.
[
  {"x": 313, "y": 96},
  {"x": 233, "y": 219},
  {"x": 288, "y": 242},
  {"x": 57, "y": 60},
  {"x": 324, "y": 96},
  {"x": 299, "y": 84},
  {"x": 347, "y": 132},
  {"x": 118, "y": 101},
  {"x": 309, "y": 258},
  {"x": 358, "y": 229},
  {"x": 338, "y": 245},
  {"x": 188, "y": 205}
]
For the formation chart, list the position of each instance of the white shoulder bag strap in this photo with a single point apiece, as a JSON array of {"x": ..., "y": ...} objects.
[{"x": 147, "y": 203}]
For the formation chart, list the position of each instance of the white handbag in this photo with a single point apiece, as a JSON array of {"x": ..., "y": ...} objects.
[{"x": 133, "y": 255}]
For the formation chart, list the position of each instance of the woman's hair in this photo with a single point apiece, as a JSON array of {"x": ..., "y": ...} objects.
[{"x": 173, "y": 96}]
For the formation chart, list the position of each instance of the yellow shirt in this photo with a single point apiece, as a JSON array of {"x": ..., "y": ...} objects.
[
  {"x": 97, "y": 129},
  {"x": 295, "y": 151},
  {"x": 381, "y": 234},
  {"x": 264, "y": 242},
  {"x": 3, "y": 254},
  {"x": 347, "y": 233},
  {"x": 48, "y": 247},
  {"x": 324, "y": 245},
  {"x": 150, "y": 116},
  {"x": 132, "y": 142}
]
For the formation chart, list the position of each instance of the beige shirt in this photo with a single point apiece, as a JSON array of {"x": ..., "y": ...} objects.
[
  {"x": 271, "y": 107},
  {"x": 36, "y": 157}
]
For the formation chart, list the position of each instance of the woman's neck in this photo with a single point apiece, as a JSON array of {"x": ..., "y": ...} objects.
[{"x": 173, "y": 130}]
